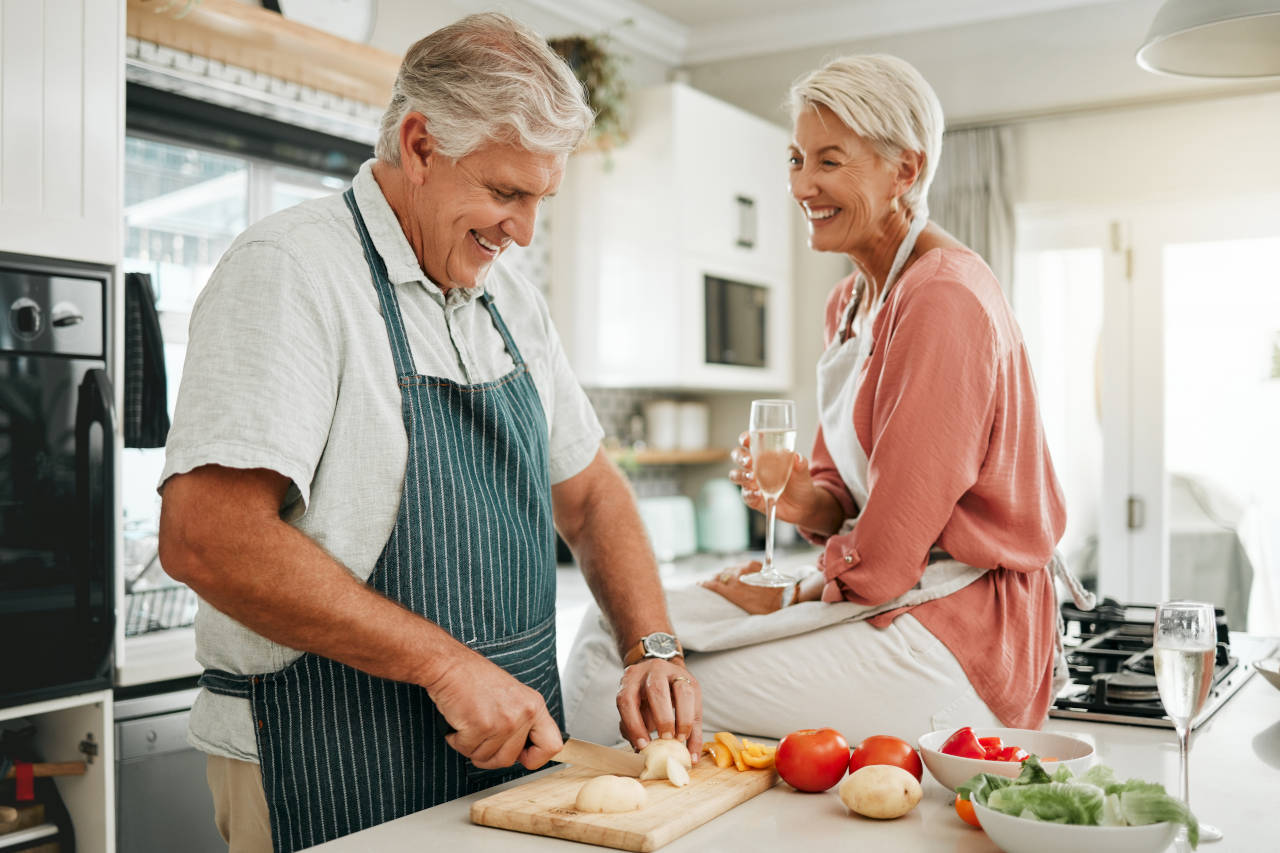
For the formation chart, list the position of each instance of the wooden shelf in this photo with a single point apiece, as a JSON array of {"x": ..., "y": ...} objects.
[
  {"x": 263, "y": 41},
  {"x": 707, "y": 456}
]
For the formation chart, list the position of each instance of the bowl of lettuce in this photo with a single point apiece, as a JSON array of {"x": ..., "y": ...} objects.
[{"x": 1065, "y": 813}]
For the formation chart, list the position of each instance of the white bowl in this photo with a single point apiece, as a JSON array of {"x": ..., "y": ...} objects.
[
  {"x": 1021, "y": 835},
  {"x": 1270, "y": 670},
  {"x": 951, "y": 770}
]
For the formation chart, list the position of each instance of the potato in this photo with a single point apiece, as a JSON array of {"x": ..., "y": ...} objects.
[
  {"x": 611, "y": 794},
  {"x": 881, "y": 791},
  {"x": 676, "y": 774},
  {"x": 656, "y": 755}
]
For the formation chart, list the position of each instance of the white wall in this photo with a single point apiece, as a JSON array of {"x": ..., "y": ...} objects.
[
  {"x": 1197, "y": 150},
  {"x": 1067, "y": 59},
  {"x": 402, "y": 22}
]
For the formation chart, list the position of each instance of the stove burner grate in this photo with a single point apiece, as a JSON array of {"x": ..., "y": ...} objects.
[{"x": 1112, "y": 670}]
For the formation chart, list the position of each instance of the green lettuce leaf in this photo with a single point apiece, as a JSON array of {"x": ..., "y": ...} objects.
[
  {"x": 1142, "y": 807},
  {"x": 1111, "y": 814},
  {"x": 1065, "y": 802},
  {"x": 978, "y": 788},
  {"x": 1033, "y": 772},
  {"x": 1101, "y": 775}
]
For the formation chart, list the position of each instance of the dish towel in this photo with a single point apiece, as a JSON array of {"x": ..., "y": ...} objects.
[{"x": 146, "y": 397}]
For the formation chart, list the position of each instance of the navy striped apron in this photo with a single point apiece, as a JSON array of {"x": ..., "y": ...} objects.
[{"x": 473, "y": 550}]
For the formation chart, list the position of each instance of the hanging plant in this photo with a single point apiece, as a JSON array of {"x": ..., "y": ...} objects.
[{"x": 601, "y": 75}]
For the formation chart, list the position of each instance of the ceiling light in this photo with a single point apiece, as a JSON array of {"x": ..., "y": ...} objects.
[{"x": 1214, "y": 38}]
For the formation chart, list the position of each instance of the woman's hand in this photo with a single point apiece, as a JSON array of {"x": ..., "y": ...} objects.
[
  {"x": 802, "y": 502},
  {"x": 753, "y": 599}
]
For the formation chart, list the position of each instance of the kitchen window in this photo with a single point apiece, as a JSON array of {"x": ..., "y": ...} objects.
[
  {"x": 1154, "y": 333},
  {"x": 183, "y": 206}
]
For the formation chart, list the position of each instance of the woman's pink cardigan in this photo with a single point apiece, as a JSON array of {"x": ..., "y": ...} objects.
[{"x": 957, "y": 459}]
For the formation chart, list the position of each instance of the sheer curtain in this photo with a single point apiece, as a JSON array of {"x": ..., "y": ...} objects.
[{"x": 972, "y": 195}]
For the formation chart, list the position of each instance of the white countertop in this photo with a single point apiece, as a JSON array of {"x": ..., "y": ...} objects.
[{"x": 1235, "y": 777}]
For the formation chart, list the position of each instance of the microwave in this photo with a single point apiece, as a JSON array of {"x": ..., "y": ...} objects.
[{"x": 737, "y": 322}]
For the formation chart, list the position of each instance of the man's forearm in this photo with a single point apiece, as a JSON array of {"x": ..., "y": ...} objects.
[
  {"x": 613, "y": 551},
  {"x": 280, "y": 584}
]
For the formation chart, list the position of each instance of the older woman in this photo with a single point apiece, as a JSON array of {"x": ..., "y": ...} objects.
[{"x": 931, "y": 486}]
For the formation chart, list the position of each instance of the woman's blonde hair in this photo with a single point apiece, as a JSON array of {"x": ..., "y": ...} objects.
[
  {"x": 887, "y": 102},
  {"x": 486, "y": 78}
]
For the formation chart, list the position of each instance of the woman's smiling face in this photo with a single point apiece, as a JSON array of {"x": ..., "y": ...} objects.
[{"x": 843, "y": 186}]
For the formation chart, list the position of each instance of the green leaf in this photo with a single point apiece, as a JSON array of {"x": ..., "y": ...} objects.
[
  {"x": 1142, "y": 807},
  {"x": 1101, "y": 775},
  {"x": 1111, "y": 813},
  {"x": 978, "y": 788},
  {"x": 1033, "y": 772},
  {"x": 1069, "y": 802}
]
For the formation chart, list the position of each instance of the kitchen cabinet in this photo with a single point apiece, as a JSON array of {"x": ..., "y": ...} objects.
[
  {"x": 62, "y": 726},
  {"x": 697, "y": 191},
  {"x": 61, "y": 128}
]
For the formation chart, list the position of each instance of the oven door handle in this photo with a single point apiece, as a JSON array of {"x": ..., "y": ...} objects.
[{"x": 95, "y": 486}]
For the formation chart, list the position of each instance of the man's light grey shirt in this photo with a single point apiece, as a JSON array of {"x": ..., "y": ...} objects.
[{"x": 288, "y": 367}]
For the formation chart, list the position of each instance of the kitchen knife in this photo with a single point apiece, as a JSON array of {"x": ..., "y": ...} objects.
[{"x": 581, "y": 753}]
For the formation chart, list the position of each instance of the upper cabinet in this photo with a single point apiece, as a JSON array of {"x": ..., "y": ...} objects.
[
  {"x": 671, "y": 254},
  {"x": 61, "y": 128}
]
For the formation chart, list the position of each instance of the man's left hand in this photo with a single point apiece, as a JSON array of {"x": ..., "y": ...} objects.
[{"x": 660, "y": 696}]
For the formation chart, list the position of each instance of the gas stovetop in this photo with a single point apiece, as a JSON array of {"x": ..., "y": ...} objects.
[{"x": 1113, "y": 674}]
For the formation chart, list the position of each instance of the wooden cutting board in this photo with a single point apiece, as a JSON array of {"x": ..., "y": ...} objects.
[{"x": 544, "y": 806}]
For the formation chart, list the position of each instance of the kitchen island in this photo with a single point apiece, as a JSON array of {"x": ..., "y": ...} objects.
[{"x": 1235, "y": 778}]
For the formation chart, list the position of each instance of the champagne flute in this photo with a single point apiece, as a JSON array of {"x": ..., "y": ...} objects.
[
  {"x": 1186, "y": 638},
  {"x": 773, "y": 443}
]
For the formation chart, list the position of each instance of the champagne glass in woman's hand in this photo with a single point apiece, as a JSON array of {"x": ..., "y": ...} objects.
[
  {"x": 1186, "y": 638},
  {"x": 773, "y": 445}
]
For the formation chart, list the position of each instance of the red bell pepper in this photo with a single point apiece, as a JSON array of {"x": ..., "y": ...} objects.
[
  {"x": 964, "y": 743},
  {"x": 991, "y": 746},
  {"x": 1012, "y": 753}
]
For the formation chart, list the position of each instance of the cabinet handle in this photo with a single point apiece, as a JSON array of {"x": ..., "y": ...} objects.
[{"x": 746, "y": 222}]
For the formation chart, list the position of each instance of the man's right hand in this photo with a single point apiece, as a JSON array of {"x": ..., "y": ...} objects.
[{"x": 497, "y": 721}]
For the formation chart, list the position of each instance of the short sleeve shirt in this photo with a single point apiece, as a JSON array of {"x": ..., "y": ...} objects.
[{"x": 289, "y": 368}]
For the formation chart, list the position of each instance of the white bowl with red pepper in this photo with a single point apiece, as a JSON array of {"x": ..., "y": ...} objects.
[{"x": 955, "y": 755}]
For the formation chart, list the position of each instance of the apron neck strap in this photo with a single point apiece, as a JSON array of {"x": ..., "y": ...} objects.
[
  {"x": 486, "y": 299},
  {"x": 391, "y": 316},
  {"x": 895, "y": 270}
]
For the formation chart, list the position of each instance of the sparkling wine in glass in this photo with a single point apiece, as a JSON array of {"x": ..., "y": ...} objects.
[
  {"x": 773, "y": 443},
  {"x": 1185, "y": 643}
]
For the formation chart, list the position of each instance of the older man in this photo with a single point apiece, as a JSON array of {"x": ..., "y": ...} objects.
[{"x": 366, "y": 463}]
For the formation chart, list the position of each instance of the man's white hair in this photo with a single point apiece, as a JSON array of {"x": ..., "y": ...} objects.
[
  {"x": 887, "y": 102},
  {"x": 487, "y": 78}
]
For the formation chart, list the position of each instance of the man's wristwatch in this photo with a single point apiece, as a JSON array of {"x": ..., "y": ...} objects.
[{"x": 659, "y": 645}]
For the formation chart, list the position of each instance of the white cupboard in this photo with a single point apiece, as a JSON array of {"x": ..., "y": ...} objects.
[
  {"x": 61, "y": 128},
  {"x": 699, "y": 190}
]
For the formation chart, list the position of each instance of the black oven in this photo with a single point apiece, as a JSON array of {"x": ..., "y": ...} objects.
[
  {"x": 736, "y": 322},
  {"x": 57, "y": 463}
]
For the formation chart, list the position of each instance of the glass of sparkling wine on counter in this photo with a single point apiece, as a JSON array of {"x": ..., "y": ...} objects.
[
  {"x": 1186, "y": 638},
  {"x": 773, "y": 444}
]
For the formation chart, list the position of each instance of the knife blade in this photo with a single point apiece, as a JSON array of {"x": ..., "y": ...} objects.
[{"x": 581, "y": 753}]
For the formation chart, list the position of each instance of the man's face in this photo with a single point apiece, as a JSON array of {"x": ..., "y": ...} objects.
[{"x": 471, "y": 209}]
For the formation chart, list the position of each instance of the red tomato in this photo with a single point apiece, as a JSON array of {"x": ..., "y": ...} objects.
[
  {"x": 886, "y": 749},
  {"x": 812, "y": 759},
  {"x": 964, "y": 743},
  {"x": 964, "y": 808}
]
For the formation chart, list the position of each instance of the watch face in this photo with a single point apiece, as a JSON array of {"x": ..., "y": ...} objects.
[{"x": 660, "y": 645}]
